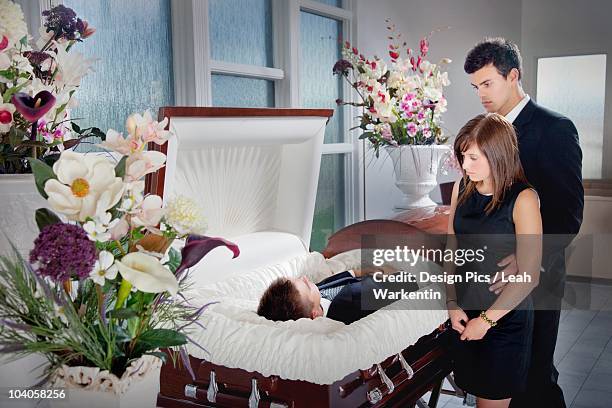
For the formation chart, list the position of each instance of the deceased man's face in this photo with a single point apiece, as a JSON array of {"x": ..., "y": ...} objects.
[{"x": 310, "y": 294}]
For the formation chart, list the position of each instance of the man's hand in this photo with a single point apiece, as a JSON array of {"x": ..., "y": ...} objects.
[
  {"x": 510, "y": 268},
  {"x": 457, "y": 317},
  {"x": 475, "y": 329}
]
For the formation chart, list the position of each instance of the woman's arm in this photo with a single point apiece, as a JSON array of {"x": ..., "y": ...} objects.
[
  {"x": 528, "y": 226},
  {"x": 455, "y": 313}
]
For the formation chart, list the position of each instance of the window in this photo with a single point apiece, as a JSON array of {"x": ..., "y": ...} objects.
[
  {"x": 134, "y": 67},
  {"x": 581, "y": 98},
  {"x": 266, "y": 53}
]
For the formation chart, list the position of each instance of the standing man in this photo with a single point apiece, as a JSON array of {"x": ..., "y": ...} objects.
[{"x": 552, "y": 160}]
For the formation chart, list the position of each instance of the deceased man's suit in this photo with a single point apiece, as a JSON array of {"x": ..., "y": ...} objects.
[{"x": 346, "y": 305}]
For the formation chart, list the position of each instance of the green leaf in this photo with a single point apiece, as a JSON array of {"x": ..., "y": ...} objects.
[
  {"x": 122, "y": 313},
  {"x": 8, "y": 74},
  {"x": 160, "y": 354},
  {"x": 366, "y": 135},
  {"x": 42, "y": 173},
  {"x": 16, "y": 136},
  {"x": 159, "y": 338},
  {"x": 174, "y": 259},
  {"x": 45, "y": 217},
  {"x": 120, "y": 167},
  {"x": 76, "y": 128}
]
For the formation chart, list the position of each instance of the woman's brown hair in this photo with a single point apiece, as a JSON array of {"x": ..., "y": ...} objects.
[{"x": 496, "y": 139}]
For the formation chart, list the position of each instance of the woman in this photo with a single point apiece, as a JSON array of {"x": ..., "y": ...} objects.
[{"x": 491, "y": 203}]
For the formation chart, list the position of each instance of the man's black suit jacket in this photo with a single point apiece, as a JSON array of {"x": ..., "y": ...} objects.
[
  {"x": 552, "y": 160},
  {"x": 346, "y": 307}
]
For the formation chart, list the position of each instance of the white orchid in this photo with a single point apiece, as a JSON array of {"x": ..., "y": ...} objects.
[
  {"x": 104, "y": 268},
  {"x": 71, "y": 67},
  {"x": 149, "y": 212},
  {"x": 86, "y": 186},
  {"x": 140, "y": 164},
  {"x": 6, "y": 116},
  {"x": 145, "y": 128},
  {"x": 147, "y": 274}
]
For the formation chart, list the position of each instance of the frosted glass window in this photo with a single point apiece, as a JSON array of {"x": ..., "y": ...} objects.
[
  {"x": 330, "y": 206},
  {"x": 235, "y": 91},
  {"x": 134, "y": 69},
  {"x": 320, "y": 49},
  {"x": 241, "y": 31},
  {"x": 336, "y": 3},
  {"x": 575, "y": 86}
]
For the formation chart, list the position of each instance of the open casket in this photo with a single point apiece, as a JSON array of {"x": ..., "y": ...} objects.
[{"x": 255, "y": 173}]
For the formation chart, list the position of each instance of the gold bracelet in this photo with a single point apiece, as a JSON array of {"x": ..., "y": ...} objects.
[{"x": 484, "y": 317}]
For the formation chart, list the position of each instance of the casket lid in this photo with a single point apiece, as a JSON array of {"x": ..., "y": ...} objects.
[{"x": 251, "y": 169}]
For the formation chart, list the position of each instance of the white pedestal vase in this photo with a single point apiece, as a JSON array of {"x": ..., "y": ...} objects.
[
  {"x": 416, "y": 168},
  {"x": 20, "y": 200},
  {"x": 91, "y": 387}
]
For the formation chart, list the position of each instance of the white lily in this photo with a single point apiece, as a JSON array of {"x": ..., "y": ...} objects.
[
  {"x": 147, "y": 274},
  {"x": 104, "y": 268},
  {"x": 86, "y": 185}
]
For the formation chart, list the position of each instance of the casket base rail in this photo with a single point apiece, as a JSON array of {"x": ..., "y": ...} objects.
[{"x": 391, "y": 383}]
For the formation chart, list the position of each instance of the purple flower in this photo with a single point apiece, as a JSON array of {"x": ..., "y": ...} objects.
[
  {"x": 63, "y": 22},
  {"x": 33, "y": 108},
  {"x": 197, "y": 246},
  {"x": 341, "y": 67},
  {"x": 62, "y": 251}
]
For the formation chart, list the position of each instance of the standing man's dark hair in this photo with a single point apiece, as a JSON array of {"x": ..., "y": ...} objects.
[
  {"x": 503, "y": 54},
  {"x": 552, "y": 159}
]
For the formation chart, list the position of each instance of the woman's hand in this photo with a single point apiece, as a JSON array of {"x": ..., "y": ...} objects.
[
  {"x": 456, "y": 315},
  {"x": 475, "y": 329}
]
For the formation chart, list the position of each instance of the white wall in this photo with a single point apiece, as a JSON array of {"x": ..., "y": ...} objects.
[
  {"x": 552, "y": 28},
  {"x": 470, "y": 21}
]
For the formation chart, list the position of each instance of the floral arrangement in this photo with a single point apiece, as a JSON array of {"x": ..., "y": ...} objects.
[
  {"x": 103, "y": 285},
  {"x": 403, "y": 102},
  {"x": 37, "y": 86}
]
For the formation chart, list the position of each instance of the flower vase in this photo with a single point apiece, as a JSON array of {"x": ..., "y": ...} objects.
[
  {"x": 20, "y": 200},
  {"x": 94, "y": 388},
  {"x": 416, "y": 168}
]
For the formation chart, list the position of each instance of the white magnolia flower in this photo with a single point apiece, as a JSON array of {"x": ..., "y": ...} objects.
[
  {"x": 71, "y": 67},
  {"x": 185, "y": 216},
  {"x": 12, "y": 22},
  {"x": 104, "y": 268},
  {"x": 147, "y": 274},
  {"x": 86, "y": 186}
]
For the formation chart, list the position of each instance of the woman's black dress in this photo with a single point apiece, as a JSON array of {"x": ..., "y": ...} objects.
[{"x": 496, "y": 366}]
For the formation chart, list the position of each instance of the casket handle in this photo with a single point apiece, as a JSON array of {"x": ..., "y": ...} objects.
[
  {"x": 213, "y": 389},
  {"x": 409, "y": 371},
  {"x": 385, "y": 379},
  {"x": 254, "y": 397}
]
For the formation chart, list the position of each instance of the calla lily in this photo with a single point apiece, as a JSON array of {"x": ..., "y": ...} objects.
[
  {"x": 147, "y": 274},
  {"x": 197, "y": 246},
  {"x": 33, "y": 108}
]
